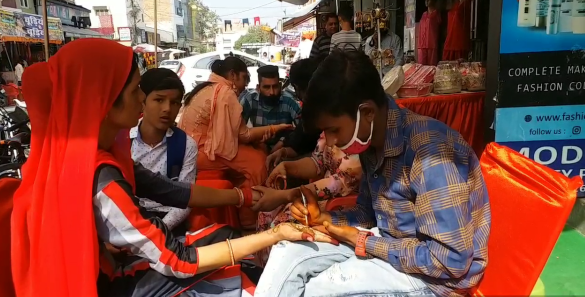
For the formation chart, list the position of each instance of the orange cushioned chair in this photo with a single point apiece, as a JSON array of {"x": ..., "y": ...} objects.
[
  {"x": 530, "y": 204},
  {"x": 7, "y": 187}
]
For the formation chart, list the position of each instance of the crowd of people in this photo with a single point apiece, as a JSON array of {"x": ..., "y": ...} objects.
[{"x": 110, "y": 183}]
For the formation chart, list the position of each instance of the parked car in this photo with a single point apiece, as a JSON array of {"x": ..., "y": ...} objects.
[
  {"x": 197, "y": 67},
  {"x": 174, "y": 65}
]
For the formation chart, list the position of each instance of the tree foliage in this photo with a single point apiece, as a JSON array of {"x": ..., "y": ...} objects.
[
  {"x": 205, "y": 21},
  {"x": 255, "y": 35}
]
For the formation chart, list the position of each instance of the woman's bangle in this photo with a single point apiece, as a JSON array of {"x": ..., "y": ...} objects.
[
  {"x": 272, "y": 129},
  {"x": 248, "y": 197},
  {"x": 241, "y": 195},
  {"x": 231, "y": 252}
]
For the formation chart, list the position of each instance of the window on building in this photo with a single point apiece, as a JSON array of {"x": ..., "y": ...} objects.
[
  {"x": 180, "y": 31},
  {"x": 178, "y": 8},
  {"x": 205, "y": 63},
  {"x": 101, "y": 10},
  {"x": 24, "y": 3}
]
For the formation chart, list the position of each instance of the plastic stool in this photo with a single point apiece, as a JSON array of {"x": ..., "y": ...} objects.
[{"x": 538, "y": 289}]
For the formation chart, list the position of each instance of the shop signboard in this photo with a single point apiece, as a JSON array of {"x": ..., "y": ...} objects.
[
  {"x": 125, "y": 33},
  {"x": 24, "y": 27},
  {"x": 551, "y": 135},
  {"x": 289, "y": 39},
  {"x": 542, "y": 53},
  {"x": 541, "y": 90}
]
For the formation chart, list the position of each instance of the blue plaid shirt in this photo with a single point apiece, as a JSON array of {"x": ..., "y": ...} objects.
[
  {"x": 427, "y": 196},
  {"x": 262, "y": 115}
]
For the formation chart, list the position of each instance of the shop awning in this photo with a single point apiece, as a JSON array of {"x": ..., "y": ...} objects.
[
  {"x": 300, "y": 16},
  {"x": 71, "y": 31},
  {"x": 25, "y": 27}
]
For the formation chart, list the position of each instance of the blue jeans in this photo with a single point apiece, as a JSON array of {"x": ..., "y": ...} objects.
[{"x": 321, "y": 269}]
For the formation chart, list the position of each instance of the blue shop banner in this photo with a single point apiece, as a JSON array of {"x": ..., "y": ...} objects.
[
  {"x": 550, "y": 135},
  {"x": 540, "y": 123},
  {"x": 542, "y": 26}
]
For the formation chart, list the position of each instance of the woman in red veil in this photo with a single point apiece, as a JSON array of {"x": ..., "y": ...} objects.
[{"x": 77, "y": 192}]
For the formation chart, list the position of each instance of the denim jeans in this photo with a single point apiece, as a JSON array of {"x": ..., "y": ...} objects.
[{"x": 321, "y": 269}]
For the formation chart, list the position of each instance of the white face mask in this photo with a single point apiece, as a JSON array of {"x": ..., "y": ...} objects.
[{"x": 355, "y": 145}]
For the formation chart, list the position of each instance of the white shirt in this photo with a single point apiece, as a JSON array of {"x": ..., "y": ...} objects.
[
  {"x": 18, "y": 70},
  {"x": 305, "y": 48},
  {"x": 155, "y": 159}
]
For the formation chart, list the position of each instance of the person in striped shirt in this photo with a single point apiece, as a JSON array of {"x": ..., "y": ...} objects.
[
  {"x": 347, "y": 39},
  {"x": 322, "y": 44}
]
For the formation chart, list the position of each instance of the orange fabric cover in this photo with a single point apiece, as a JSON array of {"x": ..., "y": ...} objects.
[
  {"x": 203, "y": 217},
  {"x": 211, "y": 175},
  {"x": 463, "y": 112},
  {"x": 530, "y": 204},
  {"x": 54, "y": 241},
  {"x": 7, "y": 187}
]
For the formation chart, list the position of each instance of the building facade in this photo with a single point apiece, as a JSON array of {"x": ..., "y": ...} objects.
[{"x": 131, "y": 22}]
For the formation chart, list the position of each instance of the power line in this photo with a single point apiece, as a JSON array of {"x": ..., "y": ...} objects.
[
  {"x": 242, "y": 7},
  {"x": 248, "y": 9}
]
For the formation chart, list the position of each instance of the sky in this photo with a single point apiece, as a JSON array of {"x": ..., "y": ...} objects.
[{"x": 269, "y": 11}]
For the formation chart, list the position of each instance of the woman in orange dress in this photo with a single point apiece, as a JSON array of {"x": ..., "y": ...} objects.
[{"x": 213, "y": 117}]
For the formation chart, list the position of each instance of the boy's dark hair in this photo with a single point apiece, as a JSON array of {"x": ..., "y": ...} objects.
[
  {"x": 346, "y": 15},
  {"x": 343, "y": 81},
  {"x": 301, "y": 71},
  {"x": 158, "y": 79}
]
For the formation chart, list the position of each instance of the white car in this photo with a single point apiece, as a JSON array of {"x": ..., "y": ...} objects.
[
  {"x": 174, "y": 65},
  {"x": 198, "y": 67}
]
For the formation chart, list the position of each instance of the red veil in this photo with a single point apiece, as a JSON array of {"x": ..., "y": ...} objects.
[{"x": 54, "y": 241}]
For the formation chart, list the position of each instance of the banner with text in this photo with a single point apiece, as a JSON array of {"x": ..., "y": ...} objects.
[
  {"x": 541, "y": 90},
  {"x": 24, "y": 27},
  {"x": 289, "y": 39},
  {"x": 551, "y": 135},
  {"x": 542, "y": 53}
]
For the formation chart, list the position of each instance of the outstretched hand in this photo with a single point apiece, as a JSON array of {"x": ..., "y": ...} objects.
[
  {"x": 344, "y": 234},
  {"x": 270, "y": 199}
]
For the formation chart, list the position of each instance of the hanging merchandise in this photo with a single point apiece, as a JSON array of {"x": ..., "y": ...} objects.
[
  {"x": 428, "y": 39},
  {"x": 458, "y": 44},
  {"x": 380, "y": 58},
  {"x": 363, "y": 22},
  {"x": 256, "y": 21},
  {"x": 245, "y": 22}
]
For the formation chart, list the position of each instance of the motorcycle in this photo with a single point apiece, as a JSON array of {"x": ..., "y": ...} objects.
[{"x": 14, "y": 139}]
